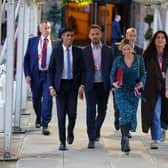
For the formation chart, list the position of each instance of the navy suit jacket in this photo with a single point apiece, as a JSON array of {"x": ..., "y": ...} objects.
[
  {"x": 88, "y": 69},
  {"x": 116, "y": 30},
  {"x": 31, "y": 67},
  {"x": 56, "y": 66}
]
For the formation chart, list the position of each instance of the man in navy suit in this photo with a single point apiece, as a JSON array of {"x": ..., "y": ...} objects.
[
  {"x": 97, "y": 60},
  {"x": 64, "y": 75},
  {"x": 36, "y": 63},
  {"x": 116, "y": 34}
]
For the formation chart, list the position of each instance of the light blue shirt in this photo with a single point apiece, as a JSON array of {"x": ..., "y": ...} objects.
[
  {"x": 97, "y": 51},
  {"x": 64, "y": 74}
]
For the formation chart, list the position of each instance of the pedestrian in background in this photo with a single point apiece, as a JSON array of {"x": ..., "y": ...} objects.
[
  {"x": 116, "y": 33},
  {"x": 155, "y": 109}
]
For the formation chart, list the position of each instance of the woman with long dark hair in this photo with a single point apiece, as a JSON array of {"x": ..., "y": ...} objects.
[{"x": 155, "y": 108}]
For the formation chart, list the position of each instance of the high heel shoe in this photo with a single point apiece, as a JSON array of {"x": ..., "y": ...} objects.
[{"x": 125, "y": 147}]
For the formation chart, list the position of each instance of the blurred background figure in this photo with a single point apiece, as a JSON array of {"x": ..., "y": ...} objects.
[{"x": 116, "y": 33}]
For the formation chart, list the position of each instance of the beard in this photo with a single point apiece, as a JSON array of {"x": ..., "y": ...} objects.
[{"x": 95, "y": 41}]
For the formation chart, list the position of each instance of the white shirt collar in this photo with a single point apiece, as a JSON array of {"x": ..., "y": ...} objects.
[
  {"x": 64, "y": 47},
  {"x": 99, "y": 46},
  {"x": 42, "y": 37}
]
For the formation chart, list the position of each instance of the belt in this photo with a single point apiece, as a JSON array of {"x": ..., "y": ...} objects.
[
  {"x": 67, "y": 80},
  {"x": 43, "y": 71}
]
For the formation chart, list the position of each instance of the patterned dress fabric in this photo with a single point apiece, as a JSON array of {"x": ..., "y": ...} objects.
[{"x": 126, "y": 100}]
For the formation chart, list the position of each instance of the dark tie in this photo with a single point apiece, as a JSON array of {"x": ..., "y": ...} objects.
[
  {"x": 68, "y": 64},
  {"x": 44, "y": 53}
]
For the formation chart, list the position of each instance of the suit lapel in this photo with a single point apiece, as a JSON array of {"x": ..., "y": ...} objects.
[
  {"x": 73, "y": 58},
  {"x": 102, "y": 57},
  {"x": 61, "y": 56},
  {"x": 36, "y": 47},
  {"x": 90, "y": 56}
]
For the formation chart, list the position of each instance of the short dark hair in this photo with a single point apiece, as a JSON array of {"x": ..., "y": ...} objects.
[{"x": 67, "y": 29}]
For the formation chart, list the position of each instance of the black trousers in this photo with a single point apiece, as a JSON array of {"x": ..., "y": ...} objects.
[
  {"x": 96, "y": 100},
  {"x": 124, "y": 130},
  {"x": 66, "y": 101}
]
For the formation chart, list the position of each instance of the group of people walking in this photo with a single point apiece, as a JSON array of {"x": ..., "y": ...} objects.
[{"x": 66, "y": 72}]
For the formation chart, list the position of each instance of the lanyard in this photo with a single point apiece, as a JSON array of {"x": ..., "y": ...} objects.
[{"x": 159, "y": 58}]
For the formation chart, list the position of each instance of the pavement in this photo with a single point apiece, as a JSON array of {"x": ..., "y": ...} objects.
[{"x": 34, "y": 150}]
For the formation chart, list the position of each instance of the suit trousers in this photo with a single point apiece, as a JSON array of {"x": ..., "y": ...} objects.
[
  {"x": 96, "y": 100},
  {"x": 42, "y": 100},
  {"x": 66, "y": 101}
]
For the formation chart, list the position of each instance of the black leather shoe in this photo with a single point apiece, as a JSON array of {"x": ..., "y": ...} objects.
[
  {"x": 97, "y": 139},
  {"x": 125, "y": 147},
  {"x": 97, "y": 136},
  {"x": 70, "y": 139},
  {"x": 37, "y": 123},
  {"x": 62, "y": 147},
  {"x": 91, "y": 145},
  {"x": 45, "y": 131},
  {"x": 129, "y": 135},
  {"x": 116, "y": 124}
]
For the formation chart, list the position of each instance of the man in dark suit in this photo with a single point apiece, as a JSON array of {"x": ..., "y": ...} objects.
[
  {"x": 131, "y": 35},
  {"x": 97, "y": 60},
  {"x": 116, "y": 33},
  {"x": 36, "y": 63},
  {"x": 64, "y": 76}
]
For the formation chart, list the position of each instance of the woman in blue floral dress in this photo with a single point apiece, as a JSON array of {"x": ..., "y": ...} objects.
[{"x": 127, "y": 95}]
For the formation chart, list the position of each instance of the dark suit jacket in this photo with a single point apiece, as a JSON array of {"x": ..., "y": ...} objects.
[
  {"x": 88, "y": 70},
  {"x": 116, "y": 30},
  {"x": 31, "y": 67},
  {"x": 56, "y": 67}
]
